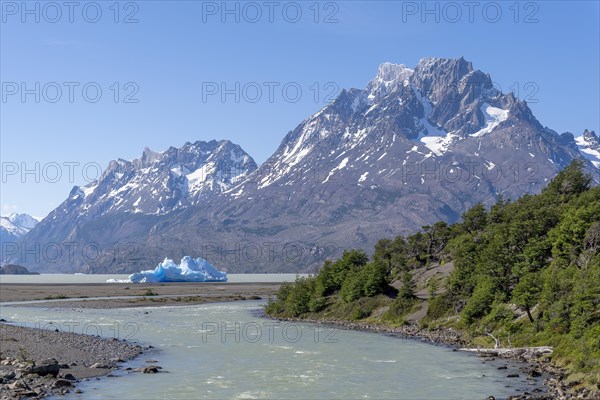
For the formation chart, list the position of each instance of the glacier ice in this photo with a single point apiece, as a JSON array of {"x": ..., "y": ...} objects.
[{"x": 189, "y": 270}]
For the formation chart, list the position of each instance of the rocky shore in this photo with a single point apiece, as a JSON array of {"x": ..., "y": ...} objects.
[
  {"x": 537, "y": 361},
  {"x": 36, "y": 363}
]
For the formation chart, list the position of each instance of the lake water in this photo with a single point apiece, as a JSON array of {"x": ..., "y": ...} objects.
[
  {"x": 102, "y": 278},
  {"x": 227, "y": 351}
]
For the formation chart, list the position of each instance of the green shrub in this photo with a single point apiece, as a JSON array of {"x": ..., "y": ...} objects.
[
  {"x": 440, "y": 306},
  {"x": 299, "y": 297},
  {"x": 359, "y": 313},
  {"x": 481, "y": 300},
  {"x": 351, "y": 289},
  {"x": 317, "y": 304},
  {"x": 399, "y": 308}
]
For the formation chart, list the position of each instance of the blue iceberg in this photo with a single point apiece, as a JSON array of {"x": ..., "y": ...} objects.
[{"x": 189, "y": 270}]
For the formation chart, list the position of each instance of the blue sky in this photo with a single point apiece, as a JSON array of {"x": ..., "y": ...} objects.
[{"x": 169, "y": 55}]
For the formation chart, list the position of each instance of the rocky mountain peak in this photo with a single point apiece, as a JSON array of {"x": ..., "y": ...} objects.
[
  {"x": 23, "y": 220},
  {"x": 590, "y": 136},
  {"x": 148, "y": 157},
  {"x": 432, "y": 73},
  {"x": 389, "y": 78}
]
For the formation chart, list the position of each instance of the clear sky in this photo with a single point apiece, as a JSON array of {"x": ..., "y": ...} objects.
[{"x": 171, "y": 61}]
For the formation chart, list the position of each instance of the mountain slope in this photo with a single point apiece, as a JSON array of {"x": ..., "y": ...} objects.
[{"x": 415, "y": 146}]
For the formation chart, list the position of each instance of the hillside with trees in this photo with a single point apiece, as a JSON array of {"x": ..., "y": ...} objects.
[{"x": 522, "y": 273}]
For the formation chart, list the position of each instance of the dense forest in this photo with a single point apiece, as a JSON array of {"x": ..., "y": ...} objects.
[{"x": 524, "y": 272}]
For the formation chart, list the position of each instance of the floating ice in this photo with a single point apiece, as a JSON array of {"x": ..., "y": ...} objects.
[{"x": 189, "y": 270}]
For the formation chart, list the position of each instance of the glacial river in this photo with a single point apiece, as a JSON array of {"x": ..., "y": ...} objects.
[{"x": 227, "y": 351}]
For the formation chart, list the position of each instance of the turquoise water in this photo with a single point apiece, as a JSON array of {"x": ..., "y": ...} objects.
[{"x": 227, "y": 351}]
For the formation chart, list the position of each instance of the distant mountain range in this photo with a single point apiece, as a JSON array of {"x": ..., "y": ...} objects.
[
  {"x": 417, "y": 145},
  {"x": 14, "y": 226}
]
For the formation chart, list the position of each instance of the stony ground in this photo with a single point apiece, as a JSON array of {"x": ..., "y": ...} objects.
[
  {"x": 193, "y": 291},
  {"x": 36, "y": 363}
]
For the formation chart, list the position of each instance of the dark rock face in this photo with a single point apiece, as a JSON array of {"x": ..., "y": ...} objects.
[
  {"x": 13, "y": 269},
  {"x": 49, "y": 367},
  {"x": 414, "y": 147}
]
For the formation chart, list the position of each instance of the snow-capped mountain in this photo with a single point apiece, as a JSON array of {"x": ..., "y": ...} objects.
[
  {"x": 417, "y": 145},
  {"x": 16, "y": 225},
  {"x": 589, "y": 146},
  {"x": 158, "y": 183},
  {"x": 413, "y": 147}
]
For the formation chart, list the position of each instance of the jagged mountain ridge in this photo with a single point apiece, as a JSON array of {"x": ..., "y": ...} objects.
[
  {"x": 413, "y": 147},
  {"x": 158, "y": 183},
  {"x": 442, "y": 125}
]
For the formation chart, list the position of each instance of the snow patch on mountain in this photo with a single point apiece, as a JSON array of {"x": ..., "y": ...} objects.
[
  {"x": 341, "y": 166},
  {"x": 439, "y": 141},
  {"x": 363, "y": 177},
  {"x": 434, "y": 138},
  {"x": 438, "y": 144},
  {"x": 88, "y": 190},
  {"x": 493, "y": 117},
  {"x": 197, "y": 178}
]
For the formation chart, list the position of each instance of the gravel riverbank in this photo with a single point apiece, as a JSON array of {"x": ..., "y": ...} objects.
[
  {"x": 113, "y": 295},
  {"x": 36, "y": 363}
]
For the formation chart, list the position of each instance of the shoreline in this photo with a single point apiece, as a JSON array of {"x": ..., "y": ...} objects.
[
  {"x": 556, "y": 386},
  {"x": 536, "y": 360}
]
